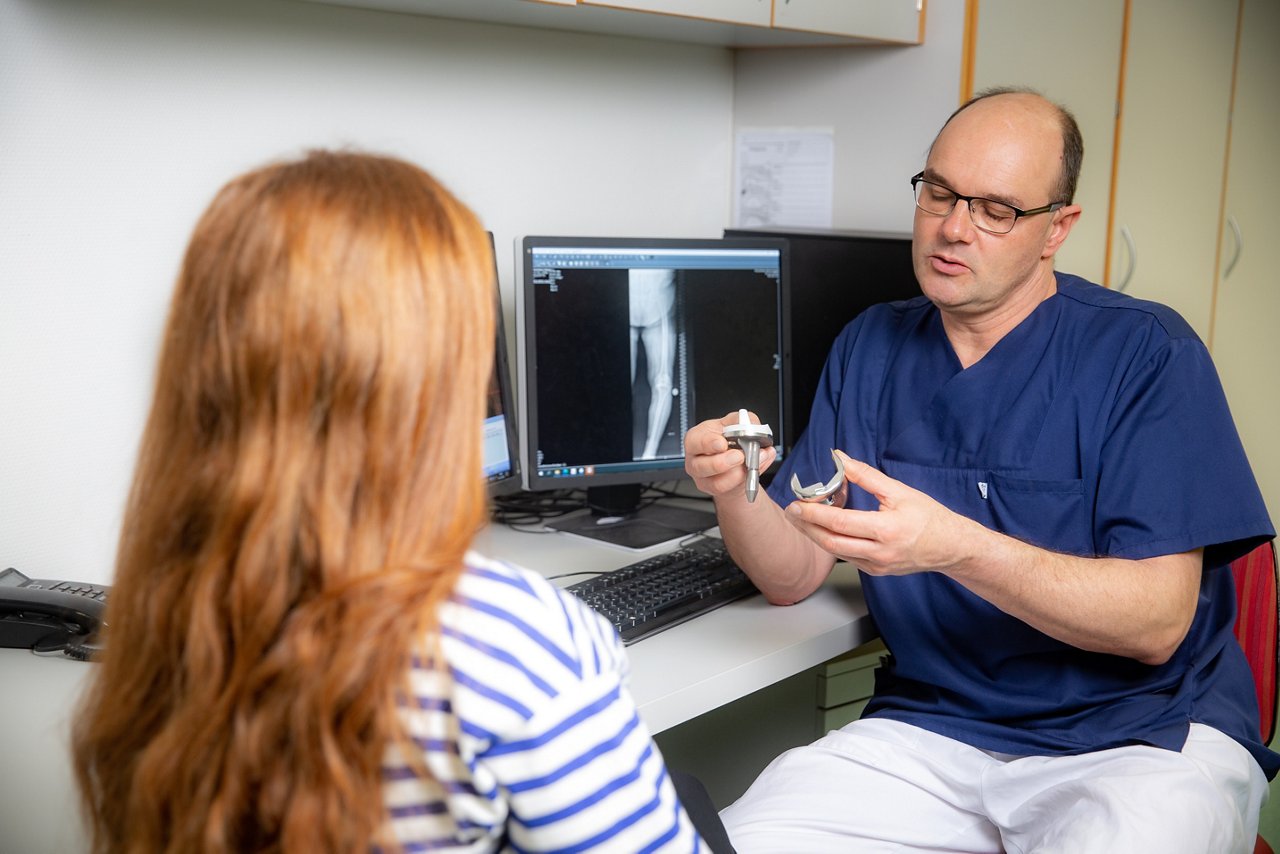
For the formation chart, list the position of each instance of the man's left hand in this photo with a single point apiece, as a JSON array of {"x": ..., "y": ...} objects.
[{"x": 911, "y": 532}]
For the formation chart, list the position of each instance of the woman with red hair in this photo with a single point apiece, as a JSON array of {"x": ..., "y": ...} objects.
[{"x": 303, "y": 654}]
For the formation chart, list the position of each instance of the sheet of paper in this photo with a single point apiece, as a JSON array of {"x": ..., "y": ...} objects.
[{"x": 783, "y": 177}]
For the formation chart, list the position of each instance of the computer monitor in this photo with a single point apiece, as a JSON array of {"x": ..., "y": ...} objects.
[
  {"x": 834, "y": 275},
  {"x": 501, "y": 449},
  {"x": 626, "y": 343}
]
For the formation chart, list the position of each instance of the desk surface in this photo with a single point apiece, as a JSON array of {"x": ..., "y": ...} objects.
[
  {"x": 675, "y": 676},
  {"x": 717, "y": 657}
]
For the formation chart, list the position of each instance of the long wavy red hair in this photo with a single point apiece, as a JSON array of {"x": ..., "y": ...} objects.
[{"x": 307, "y": 485}]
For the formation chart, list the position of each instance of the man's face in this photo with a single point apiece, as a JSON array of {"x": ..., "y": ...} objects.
[{"x": 1007, "y": 148}]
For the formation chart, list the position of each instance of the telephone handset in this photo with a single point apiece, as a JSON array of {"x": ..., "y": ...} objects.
[{"x": 50, "y": 616}]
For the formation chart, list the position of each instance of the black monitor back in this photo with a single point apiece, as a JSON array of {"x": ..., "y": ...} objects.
[{"x": 835, "y": 275}]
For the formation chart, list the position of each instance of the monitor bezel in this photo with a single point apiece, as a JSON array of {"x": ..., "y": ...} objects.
[
  {"x": 514, "y": 480},
  {"x": 526, "y": 364}
]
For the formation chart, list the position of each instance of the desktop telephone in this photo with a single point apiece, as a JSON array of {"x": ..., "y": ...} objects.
[{"x": 50, "y": 616}]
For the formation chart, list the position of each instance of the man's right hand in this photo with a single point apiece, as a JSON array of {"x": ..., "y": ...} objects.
[
  {"x": 717, "y": 467},
  {"x": 785, "y": 564}
]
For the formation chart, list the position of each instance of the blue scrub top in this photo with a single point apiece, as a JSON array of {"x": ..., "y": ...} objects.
[{"x": 1097, "y": 427}]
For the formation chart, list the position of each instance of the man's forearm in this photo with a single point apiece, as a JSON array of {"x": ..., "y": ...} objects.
[
  {"x": 1139, "y": 609},
  {"x": 786, "y": 565}
]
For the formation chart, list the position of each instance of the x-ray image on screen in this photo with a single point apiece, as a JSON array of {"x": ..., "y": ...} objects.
[{"x": 652, "y": 304}]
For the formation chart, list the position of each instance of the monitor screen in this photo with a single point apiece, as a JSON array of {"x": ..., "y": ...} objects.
[
  {"x": 626, "y": 343},
  {"x": 501, "y": 471},
  {"x": 833, "y": 276}
]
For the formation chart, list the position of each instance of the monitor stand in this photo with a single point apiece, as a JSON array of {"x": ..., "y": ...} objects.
[{"x": 617, "y": 518}]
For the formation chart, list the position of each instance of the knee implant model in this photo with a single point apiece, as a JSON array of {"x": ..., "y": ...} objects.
[
  {"x": 750, "y": 438},
  {"x": 826, "y": 493}
]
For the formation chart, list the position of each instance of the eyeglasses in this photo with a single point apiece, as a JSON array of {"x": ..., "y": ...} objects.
[{"x": 987, "y": 214}]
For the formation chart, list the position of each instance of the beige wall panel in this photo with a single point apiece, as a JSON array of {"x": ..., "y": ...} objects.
[
  {"x": 1071, "y": 53},
  {"x": 1246, "y": 335},
  {"x": 1173, "y": 144}
]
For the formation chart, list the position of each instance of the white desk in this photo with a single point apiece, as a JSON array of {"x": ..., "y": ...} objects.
[
  {"x": 39, "y": 810},
  {"x": 718, "y": 657},
  {"x": 676, "y": 675}
]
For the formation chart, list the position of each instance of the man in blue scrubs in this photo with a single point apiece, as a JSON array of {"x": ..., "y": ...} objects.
[{"x": 1045, "y": 488}]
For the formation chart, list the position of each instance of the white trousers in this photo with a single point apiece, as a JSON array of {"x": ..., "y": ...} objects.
[{"x": 879, "y": 785}]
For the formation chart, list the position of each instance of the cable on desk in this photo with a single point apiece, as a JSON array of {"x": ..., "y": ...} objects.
[
  {"x": 673, "y": 491},
  {"x": 526, "y": 511},
  {"x": 683, "y": 543},
  {"x": 693, "y": 538},
  {"x": 650, "y": 494},
  {"x": 579, "y": 572}
]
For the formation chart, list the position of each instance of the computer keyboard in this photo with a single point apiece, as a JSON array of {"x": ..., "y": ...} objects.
[{"x": 644, "y": 598}]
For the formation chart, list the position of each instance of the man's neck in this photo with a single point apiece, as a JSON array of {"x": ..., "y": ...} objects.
[{"x": 973, "y": 335}]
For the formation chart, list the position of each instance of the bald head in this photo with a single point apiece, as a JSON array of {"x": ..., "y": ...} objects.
[{"x": 1024, "y": 110}]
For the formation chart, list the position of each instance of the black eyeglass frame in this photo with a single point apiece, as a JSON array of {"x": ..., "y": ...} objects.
[{"x": 1018, "y": 213}]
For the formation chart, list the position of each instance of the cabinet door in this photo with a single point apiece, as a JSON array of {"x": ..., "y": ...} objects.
[
  {"x": 754, "y": 12},
  {"x": 1245, "y": 342},
  {"x": 1173, "y": 137},
  {"x": 882, "y": 20},
  {"x": 1021, "y": 42}
]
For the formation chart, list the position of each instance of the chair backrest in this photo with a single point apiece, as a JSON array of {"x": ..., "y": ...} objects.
[{"x": 1257, "y": 621}]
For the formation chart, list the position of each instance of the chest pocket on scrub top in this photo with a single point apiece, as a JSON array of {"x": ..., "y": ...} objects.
[{"x": 1048, "y": 513}]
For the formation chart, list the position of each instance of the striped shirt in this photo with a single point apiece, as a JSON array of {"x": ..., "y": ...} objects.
[{"x": 531, "y": 738}]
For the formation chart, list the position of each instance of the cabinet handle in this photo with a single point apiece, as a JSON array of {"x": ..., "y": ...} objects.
[
  {"x": 1133, "y": 259},
  {"x": 1235, "y": 230}
]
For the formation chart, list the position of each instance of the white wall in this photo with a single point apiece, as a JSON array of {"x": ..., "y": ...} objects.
[
  {"x": 119, "y": 120},
  {"x": 885, "y": 104}
]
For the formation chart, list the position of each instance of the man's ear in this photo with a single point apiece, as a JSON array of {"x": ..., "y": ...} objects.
[{"x": 1063, "y": 220}]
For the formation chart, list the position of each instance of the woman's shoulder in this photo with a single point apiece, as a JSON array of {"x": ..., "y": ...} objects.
[
  {"x": 500, "y": 580},
  {"x": 509, "y": 605}
]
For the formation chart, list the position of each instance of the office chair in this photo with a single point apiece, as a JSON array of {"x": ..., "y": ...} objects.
[{"x": 1257, "y": 620}]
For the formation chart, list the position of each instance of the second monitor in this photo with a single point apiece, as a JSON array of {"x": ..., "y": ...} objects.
[{"x": 626, "y": 343}]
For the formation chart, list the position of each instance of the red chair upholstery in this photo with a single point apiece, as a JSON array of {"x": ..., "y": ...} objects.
[{"x": 1257, "y": 621}]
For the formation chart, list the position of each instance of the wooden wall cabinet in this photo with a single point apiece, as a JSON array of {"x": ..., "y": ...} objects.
[
  {"x": 1014, "y": 44},
  {"x": 876, "y": 20},
  {"x": 1244, "y": 337},
  {"x": 1173, "y": 144},
  {"x": 731, "y": 23},
  {"x": 1189, "y": 93},
  {"x": 756, "y": 13},
  {"x": 885, "y": 20},
  {"x": 1150, "y": 203}
]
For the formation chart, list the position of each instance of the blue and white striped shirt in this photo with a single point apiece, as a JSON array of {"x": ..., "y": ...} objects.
[{"x": 531, "y": 738}]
